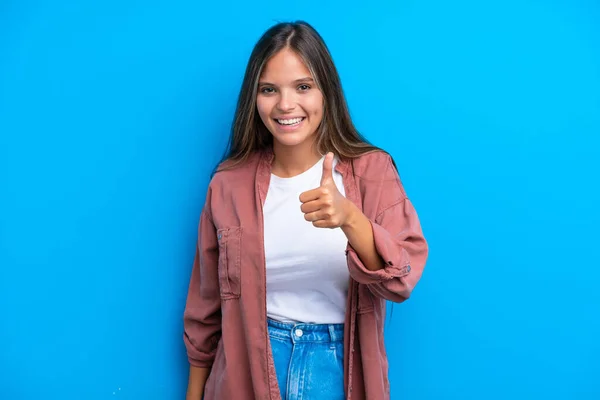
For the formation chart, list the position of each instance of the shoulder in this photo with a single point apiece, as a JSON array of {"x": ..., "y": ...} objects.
[
  {"x": 230, "y": 185},
  {"x": 375, "y": 166},
  {"x": 378, "y": 181},
  {"x": 228, "y": 173}
]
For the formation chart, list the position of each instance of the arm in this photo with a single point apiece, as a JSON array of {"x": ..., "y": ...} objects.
[
  {"x": 359, "y": 232},
  {"x": 196, "y": 382},
  {"x": 202, "y": 315},
  {"x": 387, "y": 253}
]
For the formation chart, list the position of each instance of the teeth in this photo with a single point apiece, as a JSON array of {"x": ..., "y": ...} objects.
[{"x": 289, "y": 121}]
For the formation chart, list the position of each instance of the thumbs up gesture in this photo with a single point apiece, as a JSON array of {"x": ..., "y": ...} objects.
[{"x": 325, "y": 206}]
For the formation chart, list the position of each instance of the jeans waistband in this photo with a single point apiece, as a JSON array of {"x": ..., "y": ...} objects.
[{"x": 306, "y": 332}]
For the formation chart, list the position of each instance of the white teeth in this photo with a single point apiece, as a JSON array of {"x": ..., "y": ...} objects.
[{"x": 289, "y": 121}]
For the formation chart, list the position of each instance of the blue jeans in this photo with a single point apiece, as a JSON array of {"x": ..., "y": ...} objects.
[{"x": 309, "y": 360}]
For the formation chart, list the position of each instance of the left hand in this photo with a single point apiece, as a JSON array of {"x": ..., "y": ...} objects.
[{"x": 325, "y": 206}]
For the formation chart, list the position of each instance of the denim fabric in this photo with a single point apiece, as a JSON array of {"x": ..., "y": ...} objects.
[{"x": 309, "y": 360}]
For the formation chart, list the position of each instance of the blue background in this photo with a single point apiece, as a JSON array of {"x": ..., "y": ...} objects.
[{"x": 112, "y": 115}]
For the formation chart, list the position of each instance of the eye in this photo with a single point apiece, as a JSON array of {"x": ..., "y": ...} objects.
[
  {"x": 267, "y": 90},
  {"x": 303, "y": 87}
]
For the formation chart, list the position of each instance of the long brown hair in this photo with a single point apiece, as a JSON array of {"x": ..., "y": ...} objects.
[{"x": 336, "y": 133}]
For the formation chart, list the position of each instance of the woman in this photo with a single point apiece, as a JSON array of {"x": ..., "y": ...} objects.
[{"x": 279, "y": 307}]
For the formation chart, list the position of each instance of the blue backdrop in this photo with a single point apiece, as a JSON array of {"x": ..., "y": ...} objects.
[{"x": 112, "y": 115}]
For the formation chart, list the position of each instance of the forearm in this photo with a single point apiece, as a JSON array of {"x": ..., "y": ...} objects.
[
  {"x": 197, "y": 380},
  {"x": 359, "y": 232}
]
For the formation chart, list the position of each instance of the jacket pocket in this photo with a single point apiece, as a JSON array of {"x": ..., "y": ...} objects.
[{"x": 230, "y": 243}]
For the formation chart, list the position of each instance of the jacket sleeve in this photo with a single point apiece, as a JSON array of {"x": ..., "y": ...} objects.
[
  {"x": 202, "y": 315},
  {"x": 398, "y": 240}
]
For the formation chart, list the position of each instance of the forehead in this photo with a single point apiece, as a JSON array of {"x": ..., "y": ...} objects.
[{"x": 286, "y": 65}]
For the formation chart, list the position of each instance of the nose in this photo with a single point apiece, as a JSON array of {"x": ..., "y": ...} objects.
[{"x": 286, "y": 101}]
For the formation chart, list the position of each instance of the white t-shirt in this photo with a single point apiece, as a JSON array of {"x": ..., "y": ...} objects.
[{"x": 307, "y": 272}]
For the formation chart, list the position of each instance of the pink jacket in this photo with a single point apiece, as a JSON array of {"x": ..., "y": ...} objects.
[{"x": 225, "y": 320}]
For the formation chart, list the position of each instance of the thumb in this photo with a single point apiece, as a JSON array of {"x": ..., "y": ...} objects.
[{"x": 327, "y": 176}]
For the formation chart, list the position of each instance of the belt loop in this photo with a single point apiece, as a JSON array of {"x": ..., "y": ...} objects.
[{"x": 332, "y": 335}]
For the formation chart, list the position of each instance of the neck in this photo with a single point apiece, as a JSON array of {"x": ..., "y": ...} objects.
[{"x": 290, "y": 161}]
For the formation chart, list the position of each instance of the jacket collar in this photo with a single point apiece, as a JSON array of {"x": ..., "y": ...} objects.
[{"x": 267, "y": 156}]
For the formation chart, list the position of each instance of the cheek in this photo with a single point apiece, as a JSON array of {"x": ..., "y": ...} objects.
[
  {"x": 263, "y": 109},
  {"x": 317, "y": 107}
]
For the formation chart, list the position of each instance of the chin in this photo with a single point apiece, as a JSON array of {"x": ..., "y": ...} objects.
[
  {"x": 289, "y": 141},
  {"x": 290, "y": 138}
]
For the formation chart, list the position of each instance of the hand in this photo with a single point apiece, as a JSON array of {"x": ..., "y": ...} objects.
[{"x": 325, "y": 206}]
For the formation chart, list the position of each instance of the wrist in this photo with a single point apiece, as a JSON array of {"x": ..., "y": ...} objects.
[{"x": 353, "y": 215}]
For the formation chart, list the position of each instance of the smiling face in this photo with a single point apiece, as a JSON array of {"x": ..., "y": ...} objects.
[{"x": 288, "y": 100}]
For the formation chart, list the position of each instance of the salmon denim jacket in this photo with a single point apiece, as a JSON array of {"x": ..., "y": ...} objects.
[{"x": 225, "y": 318}]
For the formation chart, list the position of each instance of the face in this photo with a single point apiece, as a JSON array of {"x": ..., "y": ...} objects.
[{"x": 288, "y": 101}]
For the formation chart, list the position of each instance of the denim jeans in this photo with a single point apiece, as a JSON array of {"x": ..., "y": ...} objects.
[{"x": 309, "y": 360}]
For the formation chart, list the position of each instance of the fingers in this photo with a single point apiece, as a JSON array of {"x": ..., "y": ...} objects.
[
  {"x": 321, "y": 219},
  {"x": 314, "y": 216},
  {"x": 314, "y": 194},
  {"x": 311, "y": 206},
  {"x": 323, "y": 223},
  {"x": 320, "y": 215},
  {"x": 327, "y": 176},
  {"x": 317, "y": 204}
]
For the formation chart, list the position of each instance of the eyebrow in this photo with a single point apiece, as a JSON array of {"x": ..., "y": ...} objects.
[{"x": 301, "y": 80}]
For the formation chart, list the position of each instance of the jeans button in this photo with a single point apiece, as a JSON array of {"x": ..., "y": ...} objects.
[{"x": 299, "y": 332}]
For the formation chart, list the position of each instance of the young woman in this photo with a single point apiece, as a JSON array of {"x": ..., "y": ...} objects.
[{"x": 305, "y": 233}]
